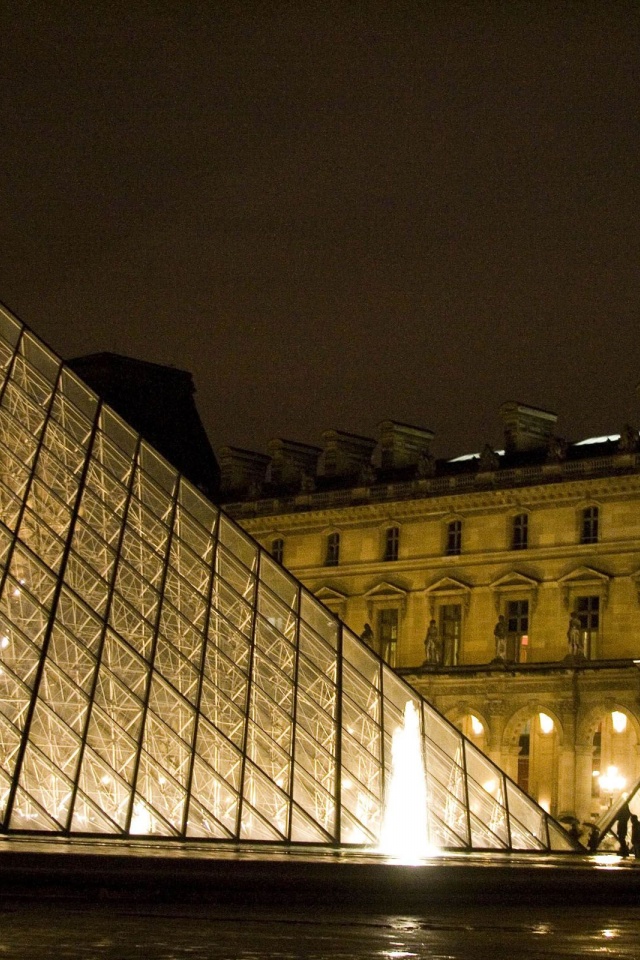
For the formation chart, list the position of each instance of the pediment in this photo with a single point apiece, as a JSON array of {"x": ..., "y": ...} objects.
[
  {"x": 583, "y": 575},
  {"x": 515, "y": 581},
  {"x": 448, "y": 585},
  {"x": 330, "y": 594},
  {"x": 584, "y": 578},
  {"x": 385, "y": 591}
]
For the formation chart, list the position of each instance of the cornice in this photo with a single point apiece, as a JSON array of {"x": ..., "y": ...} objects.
[{"x": 400, "y": 510}]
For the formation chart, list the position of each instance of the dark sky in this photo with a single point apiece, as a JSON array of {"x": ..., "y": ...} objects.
[{"x": 333, "y": 213}]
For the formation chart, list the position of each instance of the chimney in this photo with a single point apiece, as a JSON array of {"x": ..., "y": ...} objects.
[
  {"x": 344, "y": 454},
  {"x": 241, "y": 469},
  {"x": 402, "y": 445},
  {"x": 526, "y": 428},
  {"x": 290, "y": 461}
]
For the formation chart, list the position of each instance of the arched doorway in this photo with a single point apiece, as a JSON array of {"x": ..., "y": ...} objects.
[
  {"x": 615, "y": 765},
  {"x": 532, "y": 747},
  {"x": 474, "y": 727}
]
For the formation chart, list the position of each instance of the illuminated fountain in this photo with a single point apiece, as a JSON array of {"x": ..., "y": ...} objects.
[{"x": 405, "y": 833}]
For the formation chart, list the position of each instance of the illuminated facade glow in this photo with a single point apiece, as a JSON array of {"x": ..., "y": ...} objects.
[{"x": 162, "y": 675}]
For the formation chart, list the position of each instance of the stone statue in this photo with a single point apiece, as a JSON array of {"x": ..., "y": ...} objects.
[
  {"x": 367, "y": 635},
  {"x": 574, "y": 636},
  {"x": 500, "y": 634},
  {"x": 432, "y": 644},
  {"x": 426, "y": 465},
  {"x": 489, "y": 459},
  {"x": 367, "y": 475},
  {"x": 307, "y": 483},
  {"x": 557, "y": 451},
  {"x": 628, "y": 441}
]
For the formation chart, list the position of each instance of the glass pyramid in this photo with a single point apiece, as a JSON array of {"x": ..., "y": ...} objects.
[{"x": 161, "y": 675}]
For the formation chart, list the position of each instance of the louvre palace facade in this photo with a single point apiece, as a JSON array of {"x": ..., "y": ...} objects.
[
  {"x": 161, "y": 675},
  {"x": 504, "y": 586}
]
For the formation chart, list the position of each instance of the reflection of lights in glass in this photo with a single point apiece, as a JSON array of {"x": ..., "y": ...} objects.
[
  {"x": 546, "y": 723},
  {"x": 347, "y": 784},
  {"x": 546, "y": 806},
  {"x": 162, "y": 780},
  {"x": 16, "y": 592},
  {"x": 619, "y": 721},
  {"x": 476, "y": 726},
  {"x": 490, "y": 786},
  {"x": 105, "y": 780},
  {"x": 4, "y": 642},
  {"x": 404, "y": 833},
  {"x": 612, "y": 782},
  {"x": 609, "y": 934}
]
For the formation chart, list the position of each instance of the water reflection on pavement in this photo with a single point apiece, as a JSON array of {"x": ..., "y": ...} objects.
[{"x": 112, "y": 932}]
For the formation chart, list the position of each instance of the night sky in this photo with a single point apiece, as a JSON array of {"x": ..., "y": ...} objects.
[{"x": 333, "y": 213}]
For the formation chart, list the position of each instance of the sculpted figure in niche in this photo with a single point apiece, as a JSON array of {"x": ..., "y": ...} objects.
[
  {"x": 500, "y": 635},
  {"x": 367, "y": 635},
  {"x": 432, "y": 644},
  {"x": 574, "y": 636}
]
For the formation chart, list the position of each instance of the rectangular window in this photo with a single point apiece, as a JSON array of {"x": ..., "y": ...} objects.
[
  {"x": 454, "y": 538},
  {"x": 589, "y": 526},
  {"x": 332, "y": 558},
  {"x": 520, "y": 532},
  {"x": 388, "y": 634},
  {"x": 450, "y": 627},
  {"x": 517, "y": 630},
  {"x": 391, "y": 543},
  {"x": 588, "y": 610},
  {"x": 277, "y": 549}
]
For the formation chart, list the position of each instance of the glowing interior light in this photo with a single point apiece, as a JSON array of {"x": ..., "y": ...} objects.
[
  {"x": 546, "y": 806},
  {"x": 546, "y": 723},
  {"x": 476, "y": 726},
  {"x": 106, "y": 779},
  {"x": 4, "y": 642},
  {"x": 619, "y": 721},
  {"x": 141, "y": 819},
  {"x": 162, "y": 780},
  {"x": 489, "y": 786},
  {"x": 404, "y": 834},
  {"x": 16, "y": 592},
  {"x": 347, "y": 784},
  {"x": 612, "y": 782}
]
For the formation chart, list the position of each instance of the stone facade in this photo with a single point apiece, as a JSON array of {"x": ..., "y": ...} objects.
[{"x": 536, "y": 533}]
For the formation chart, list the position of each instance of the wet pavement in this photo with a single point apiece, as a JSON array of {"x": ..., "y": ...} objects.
[
  {"x": 107, "y": 932},
  {"x": 158, "y": 901}
]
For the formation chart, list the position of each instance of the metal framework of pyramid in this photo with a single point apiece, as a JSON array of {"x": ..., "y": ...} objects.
[{"x": 161, "y": 675}]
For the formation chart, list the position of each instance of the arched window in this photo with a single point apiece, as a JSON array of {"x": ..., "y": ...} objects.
[
  {"x": 589, "y": 526},
  {"x": 391, "y": 543},
  {"x": 520, "y": 532},
  {"x": 453, "y": 545},
  {"x": 332, "y": 558},
  {"x": 277, "y": 549}
]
